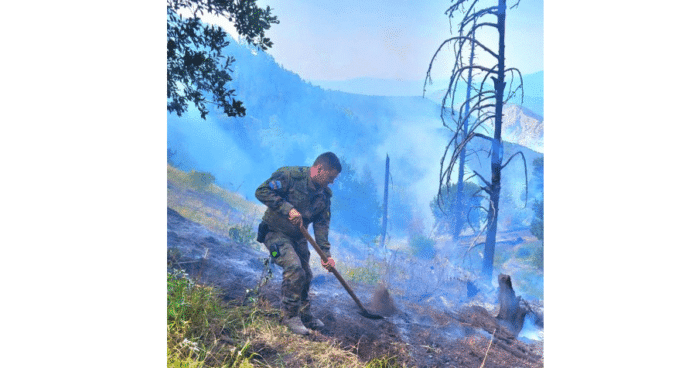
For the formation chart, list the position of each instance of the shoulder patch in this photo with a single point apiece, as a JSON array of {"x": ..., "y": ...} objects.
[{"x": 275, "y": 185}]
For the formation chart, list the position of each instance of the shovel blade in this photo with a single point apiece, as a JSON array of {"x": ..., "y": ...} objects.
[{"x": 369, "y": 315}]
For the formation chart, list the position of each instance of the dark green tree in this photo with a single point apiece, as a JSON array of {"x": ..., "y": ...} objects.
[{"x": 197, "y": 69}]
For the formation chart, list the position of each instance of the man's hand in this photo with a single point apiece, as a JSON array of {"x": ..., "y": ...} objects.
[
  {"x": 295, "y": 217},
  {"x": 329, "y": 264}
]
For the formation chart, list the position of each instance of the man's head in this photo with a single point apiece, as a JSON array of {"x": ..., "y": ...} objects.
[{"x": 325, "y": 169}]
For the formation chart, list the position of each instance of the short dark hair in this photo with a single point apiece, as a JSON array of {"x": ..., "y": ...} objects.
[{"x": 328, "y": 159}]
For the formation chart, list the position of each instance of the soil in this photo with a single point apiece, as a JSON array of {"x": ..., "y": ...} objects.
[{"x": 417, "y": 333}]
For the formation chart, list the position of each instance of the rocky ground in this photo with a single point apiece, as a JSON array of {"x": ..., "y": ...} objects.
[{"x": 420, "y": 333}]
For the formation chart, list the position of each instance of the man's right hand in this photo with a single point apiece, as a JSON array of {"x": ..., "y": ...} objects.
[
  {"x": 330, "y": 263},
  {"x": 295, "y": 217}
]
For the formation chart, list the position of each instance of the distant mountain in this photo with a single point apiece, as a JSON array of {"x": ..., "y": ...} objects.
[
  {"x": 533, "y": 85},
  {"x": 523, "y": 127}
]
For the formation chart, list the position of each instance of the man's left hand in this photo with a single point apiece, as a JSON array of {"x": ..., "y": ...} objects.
[{"x": 329, "y": 264}]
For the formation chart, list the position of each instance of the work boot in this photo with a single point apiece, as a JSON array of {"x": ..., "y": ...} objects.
[
  {"x": 312, "y": 322},
  {"x": 295, "y": 325}
]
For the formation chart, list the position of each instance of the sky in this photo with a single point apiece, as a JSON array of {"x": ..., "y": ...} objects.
[{"x": 390, "y": 39}]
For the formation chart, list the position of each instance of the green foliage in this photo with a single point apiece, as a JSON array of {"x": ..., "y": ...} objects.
[
  {"x": 191, "y": 309},
  {"x": 386, "y": 362},
  {"x": 243, "y": 234},
  {"x": 355, "y": 204},
  {"x": 446, "y": 210},
  {"x": 368, "y": 274},
  {"x": 195, "y": 62},
  {"x": 201, "y": 180},
  {"x": 203, "y": 331},
  {"x": 196, "y": 317},
  {"x": 193, "y": 314},
  {"x": 422, "y": 246}
]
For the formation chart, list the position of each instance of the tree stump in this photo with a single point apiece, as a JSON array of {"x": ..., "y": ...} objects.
[{"x": 511, "y": 314}]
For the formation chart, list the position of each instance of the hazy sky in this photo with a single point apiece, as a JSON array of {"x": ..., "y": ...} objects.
[{"x": 391, "y": 39}]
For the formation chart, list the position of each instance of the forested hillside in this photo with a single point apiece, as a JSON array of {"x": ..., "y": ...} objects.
[{"x": 289, "y": 122}]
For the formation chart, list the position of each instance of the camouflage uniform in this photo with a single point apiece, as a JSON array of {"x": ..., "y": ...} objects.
[{"x": 288, "y": 188}]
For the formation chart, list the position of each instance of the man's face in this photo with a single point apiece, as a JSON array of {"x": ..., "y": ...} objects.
[{"x": 324, "y": 176}]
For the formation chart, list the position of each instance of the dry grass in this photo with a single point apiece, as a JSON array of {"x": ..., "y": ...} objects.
[
  {"x": 211, "y": 206},
  {"x": 204, "y": 331}
]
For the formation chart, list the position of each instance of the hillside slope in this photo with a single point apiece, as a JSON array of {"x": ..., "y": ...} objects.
[{"x": 452, "y": 327}]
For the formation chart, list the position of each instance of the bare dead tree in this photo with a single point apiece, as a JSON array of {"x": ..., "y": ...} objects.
[
  {"x": 459, "y": 206},
  {"x": 484, "y": 107}
]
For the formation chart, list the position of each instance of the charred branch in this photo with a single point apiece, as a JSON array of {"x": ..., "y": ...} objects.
[
  {"x": 446, "y": 170},
  {"x": 468, "y": 214},
  {"x": 470, "y": 17},
  {"x": 476, "y": 154},
  {"x": 478, "y": 108},
  {"x": 488, "y": 185},
  {"x": 520, "y": 87},
  {"x": 479, "y": 135}
]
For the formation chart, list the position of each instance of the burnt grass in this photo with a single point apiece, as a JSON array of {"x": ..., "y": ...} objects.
[{"x": 413, "y": 333}]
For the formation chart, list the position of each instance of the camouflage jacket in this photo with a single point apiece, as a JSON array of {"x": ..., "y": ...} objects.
[{"x": 291, "y": 187}]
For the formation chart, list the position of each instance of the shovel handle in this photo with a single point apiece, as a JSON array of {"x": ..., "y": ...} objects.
[{"x": 332, "y": 269}]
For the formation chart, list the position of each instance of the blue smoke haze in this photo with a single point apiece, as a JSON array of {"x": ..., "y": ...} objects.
[{"x": 289, "y": 122}]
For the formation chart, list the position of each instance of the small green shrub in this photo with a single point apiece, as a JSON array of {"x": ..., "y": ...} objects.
[
  {"x": 201, "y": 180},
  {"x": 386, "y": 362},
  {"x": 191, "y": 308},
  {"x": 367, "y": 275},
  {"x": 243, "y": 234}
]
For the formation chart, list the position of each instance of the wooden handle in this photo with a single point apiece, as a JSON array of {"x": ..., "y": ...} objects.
[
  {"x": 314, "y": 244},
  {"x": 331, "y": 269}
]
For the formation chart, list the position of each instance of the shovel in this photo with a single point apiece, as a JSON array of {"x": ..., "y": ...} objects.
[{"x": 363, "y": 312}]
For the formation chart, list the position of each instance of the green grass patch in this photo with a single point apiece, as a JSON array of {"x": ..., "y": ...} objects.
[
  {"x": 370, "y": 273},
  {"x": 205, "y": 331}
]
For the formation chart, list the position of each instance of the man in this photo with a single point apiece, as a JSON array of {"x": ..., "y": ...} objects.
[{"x": 297, "y": 196}]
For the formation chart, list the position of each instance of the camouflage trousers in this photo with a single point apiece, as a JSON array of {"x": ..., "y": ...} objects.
[{"x": 293, "y": 257}]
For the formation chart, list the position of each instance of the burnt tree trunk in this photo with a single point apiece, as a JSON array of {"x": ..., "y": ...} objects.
[
  {"x": 496, "y": 150},
  {"x": 512, "y": 313}
]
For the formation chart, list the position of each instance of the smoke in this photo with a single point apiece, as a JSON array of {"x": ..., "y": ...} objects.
[
  {"x": 203, "y": 146},
  {"x": 290, "y": 122},
  {"x": 530, "y": 330}
]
